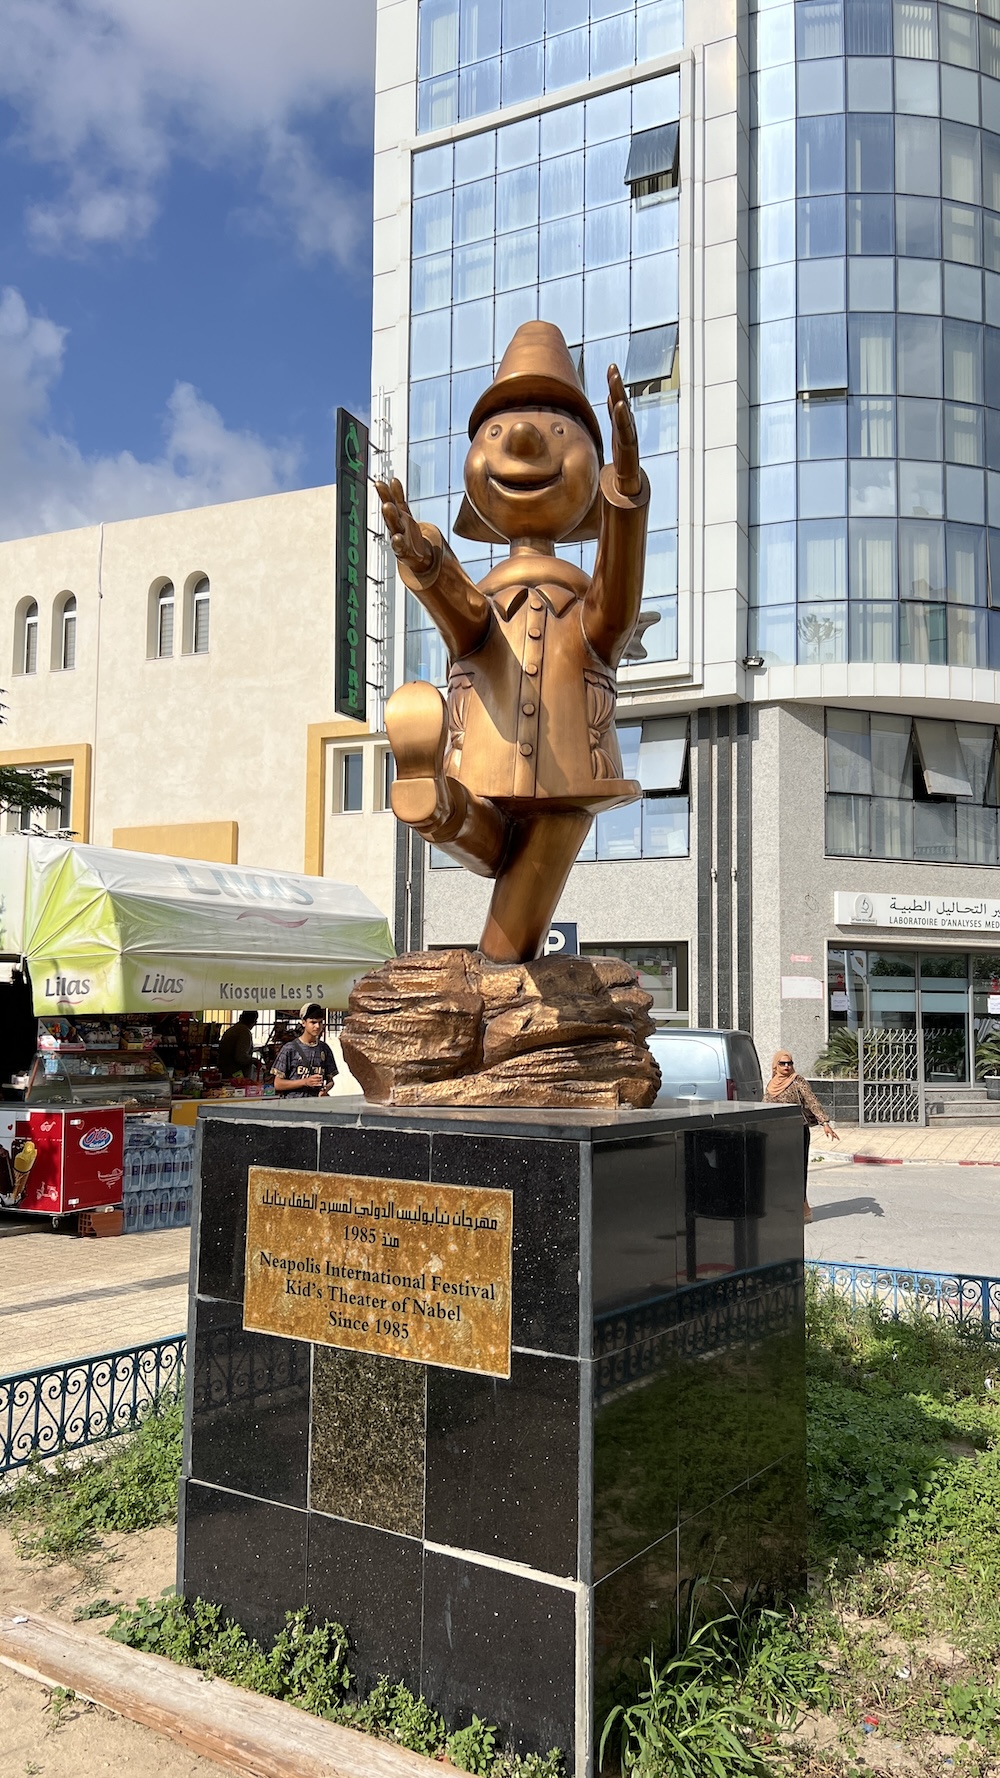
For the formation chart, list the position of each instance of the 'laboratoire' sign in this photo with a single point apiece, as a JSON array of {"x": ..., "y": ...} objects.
[
  {"x": 923, "y": 913},
  {"x": 352, "y": 539}
]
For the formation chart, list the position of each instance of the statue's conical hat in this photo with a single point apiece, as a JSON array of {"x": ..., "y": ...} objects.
[{"x": 535, "y": 371}]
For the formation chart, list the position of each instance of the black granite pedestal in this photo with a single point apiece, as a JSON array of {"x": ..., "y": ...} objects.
[{"x": 502, "y": 1545}]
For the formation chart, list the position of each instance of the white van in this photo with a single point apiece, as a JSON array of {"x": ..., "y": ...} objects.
[{"x": 706, "y": 1065}]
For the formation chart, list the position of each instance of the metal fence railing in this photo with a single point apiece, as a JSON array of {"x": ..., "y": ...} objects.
[
  {"x": 953, "y": 1296},
  {"x": 64, "y": 1407}
]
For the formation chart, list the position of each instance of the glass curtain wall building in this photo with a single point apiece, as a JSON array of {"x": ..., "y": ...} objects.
[
  {"x": 875, "y": 491},
  {"x": 783, "y": 222},
  {"x": 570, "y": 216}
]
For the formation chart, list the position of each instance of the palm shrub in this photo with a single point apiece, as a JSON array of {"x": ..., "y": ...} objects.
[{"x": 840, "y": 1057}]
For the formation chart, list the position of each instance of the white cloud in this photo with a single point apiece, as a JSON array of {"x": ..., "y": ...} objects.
[
  {"x": 108, "y": 92},
  {"x": 48, "y": 484}
]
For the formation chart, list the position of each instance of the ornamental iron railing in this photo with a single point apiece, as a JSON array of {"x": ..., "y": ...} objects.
[
  {"x": 64, "y": 1407},
  {"x": 736, "y": 1309},
  {"x": 952, "y": 1296}
]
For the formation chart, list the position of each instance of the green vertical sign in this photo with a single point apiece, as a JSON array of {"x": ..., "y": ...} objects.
[{"x": 352, "y": 566}]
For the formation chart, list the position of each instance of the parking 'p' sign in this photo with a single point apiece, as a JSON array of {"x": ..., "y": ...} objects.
[{"x": 562, "y": 941}]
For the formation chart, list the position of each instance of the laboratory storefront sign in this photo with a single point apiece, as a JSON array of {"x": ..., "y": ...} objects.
[
  {"x": 352, "y": 559},
  {"x": 388, "y": 1266},
  {"x": 920, "y": 913}
]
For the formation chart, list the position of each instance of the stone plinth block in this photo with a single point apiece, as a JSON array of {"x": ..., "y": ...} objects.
[
  {"x": 451, "y": 1028},
  {"x": 490, "y": 1387}
]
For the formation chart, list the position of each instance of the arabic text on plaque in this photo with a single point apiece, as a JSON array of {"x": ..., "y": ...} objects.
[{"x": 390, "y": 1266}]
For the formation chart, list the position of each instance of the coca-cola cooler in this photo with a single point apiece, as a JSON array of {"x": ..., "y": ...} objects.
[{"x": 79, "y": 1160}]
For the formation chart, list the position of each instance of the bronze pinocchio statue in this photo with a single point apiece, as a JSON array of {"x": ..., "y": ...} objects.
[{"x": 508, "y": 775}]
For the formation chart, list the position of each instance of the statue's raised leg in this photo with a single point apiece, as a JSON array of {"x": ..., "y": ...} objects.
[
  {"x": 468, "y": 827},
  {"x": 540, "y": 856}
]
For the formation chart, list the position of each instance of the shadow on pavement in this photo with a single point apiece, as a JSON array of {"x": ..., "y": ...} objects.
[{"x": 848, "y": 1207}]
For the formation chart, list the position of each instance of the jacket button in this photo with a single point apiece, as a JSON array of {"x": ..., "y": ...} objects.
[
  {"x": 535, "y": 602},
  {"x": 534, "y": 632},
  {"x": 531, "y": 670},
  {"x": 529, "y": 709},
  {"x": 526, "y": 748}
]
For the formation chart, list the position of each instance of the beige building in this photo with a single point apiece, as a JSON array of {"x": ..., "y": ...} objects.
[{"x": 174, "y": 676}]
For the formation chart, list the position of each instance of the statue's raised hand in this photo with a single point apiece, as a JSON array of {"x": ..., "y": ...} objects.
[
  {"x": 624, "y": 443},
  {"x": 405, "y": 535}
]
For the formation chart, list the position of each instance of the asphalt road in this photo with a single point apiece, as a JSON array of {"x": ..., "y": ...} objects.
[{"x": 940, "y": 1219}]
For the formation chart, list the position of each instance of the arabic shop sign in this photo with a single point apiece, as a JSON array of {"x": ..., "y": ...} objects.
[
  {"x": 924, "y": 913},
  {"x": 352, "y": 566}
]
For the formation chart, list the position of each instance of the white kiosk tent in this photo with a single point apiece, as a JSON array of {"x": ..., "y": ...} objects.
[{"x": 103, "y": 931}]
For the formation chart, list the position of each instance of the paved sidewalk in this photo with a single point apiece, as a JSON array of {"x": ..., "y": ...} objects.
[
  {"x": 63, "y": 1297},
  {"x": 964, "y": 1145}
]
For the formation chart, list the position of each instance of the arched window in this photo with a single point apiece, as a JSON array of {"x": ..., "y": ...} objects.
[
  {"x": 165, "y": 621},
  {"x": 29, "y": 654},
  {"x": 200, "y": 610},
  {"x": 67, "y": 634}
]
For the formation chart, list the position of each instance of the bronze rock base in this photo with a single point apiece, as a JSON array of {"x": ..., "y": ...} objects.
[{"x": 451, "y": 1028}]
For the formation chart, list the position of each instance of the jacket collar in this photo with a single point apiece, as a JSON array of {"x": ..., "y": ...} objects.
[{"x": 510, "y": 599}]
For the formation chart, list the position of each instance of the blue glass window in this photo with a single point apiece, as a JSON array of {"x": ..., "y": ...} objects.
[
  {"x": 868, "y": 28},
  {"x": 869, "y": 153},
  {"x": 819, "y": 28},
  {"x": 821, "y": 227},
  {"x": 820, "y": 153},
  {"x": 870, "y": 224}
]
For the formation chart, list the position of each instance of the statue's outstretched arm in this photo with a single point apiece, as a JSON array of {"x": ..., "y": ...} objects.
[
  {"x": 615, "y": 594},
  {"x": 434, "y": 574}
]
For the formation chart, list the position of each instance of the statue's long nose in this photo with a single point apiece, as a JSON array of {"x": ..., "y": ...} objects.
[{"x": 525, "y": 440}]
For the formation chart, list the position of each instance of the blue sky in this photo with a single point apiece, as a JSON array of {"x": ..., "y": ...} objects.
[{"x": 185, "y": 280}]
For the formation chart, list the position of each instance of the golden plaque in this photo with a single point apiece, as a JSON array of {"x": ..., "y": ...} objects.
[{"x": 390, "y": 1266}]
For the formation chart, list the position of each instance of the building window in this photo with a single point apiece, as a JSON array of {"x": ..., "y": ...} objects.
[
  {"x": 351, "y": 782},
  {"x": 652, "y": 163},
  {"x": 67, "y": 634},
  {"x": 387, "y": 773},
  {"x": 476, "y": 56},
  {"x": 651, "y": 364},
  {"x": 200, "y": 609},
  {"x": 918, "y": 789},
  {"x": 58, "y": 783},
  {"x": 657, "y": 826},
  {"x": 29, "y": 639},
  {"x": 164, "y": 636},
  {"x": 663, "y": 972}
]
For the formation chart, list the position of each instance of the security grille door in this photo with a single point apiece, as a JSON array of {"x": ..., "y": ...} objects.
[{"x": 890, "y": 1075}]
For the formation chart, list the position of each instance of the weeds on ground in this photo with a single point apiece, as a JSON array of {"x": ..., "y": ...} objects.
[
  {"x": 901, "y": 1625},
  {"x": 308, "y": 1666},
  {"x": 65, "y": 1508},
  {"x": 904, "y": 1486},
  {"x": 714, "y": 1705}
]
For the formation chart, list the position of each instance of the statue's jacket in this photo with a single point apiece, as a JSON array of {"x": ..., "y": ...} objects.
[{"x": 533, "y": 650}]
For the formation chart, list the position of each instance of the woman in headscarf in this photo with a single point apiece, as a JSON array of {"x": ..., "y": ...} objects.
[{"x": 785, "y": 1087}]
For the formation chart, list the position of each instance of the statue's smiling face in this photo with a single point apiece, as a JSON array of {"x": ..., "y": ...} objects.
[{"x": 532, "y": 474}]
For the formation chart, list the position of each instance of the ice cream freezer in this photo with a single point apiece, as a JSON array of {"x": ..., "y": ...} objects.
[{"x": 59, "y": 1160}]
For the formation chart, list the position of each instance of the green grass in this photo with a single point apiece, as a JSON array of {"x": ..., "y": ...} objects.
[
  {"x": 308, "y": 1666},
  {"x": 66, "y": 1508}
]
